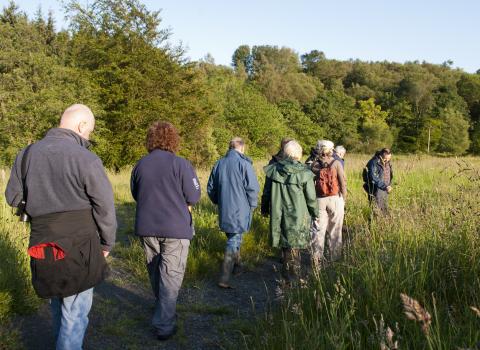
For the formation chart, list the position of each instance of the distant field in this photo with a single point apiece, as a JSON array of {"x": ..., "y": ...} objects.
[{"x": 428, "y": 249}]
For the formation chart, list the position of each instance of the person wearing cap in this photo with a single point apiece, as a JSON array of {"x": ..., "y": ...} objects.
[
  {"x": 292, "y": 205},
  {"x": 233, "y": 186},
  {"x": 331, "y": 190}
]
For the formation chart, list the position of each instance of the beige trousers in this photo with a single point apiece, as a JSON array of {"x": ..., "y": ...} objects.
[{"x": 330, "y": 219}]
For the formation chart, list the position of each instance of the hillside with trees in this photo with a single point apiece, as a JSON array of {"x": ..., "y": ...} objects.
[{"x": 116, "y": 58}]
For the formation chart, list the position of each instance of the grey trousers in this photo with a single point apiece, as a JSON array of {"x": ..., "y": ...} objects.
[{"x": 166, "y": 261}]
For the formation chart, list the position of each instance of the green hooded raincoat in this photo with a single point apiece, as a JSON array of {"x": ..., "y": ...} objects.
[{"x": 290, "y": 190}]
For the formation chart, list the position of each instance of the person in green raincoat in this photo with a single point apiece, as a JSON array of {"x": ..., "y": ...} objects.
[{"x": 289, "y": 198}]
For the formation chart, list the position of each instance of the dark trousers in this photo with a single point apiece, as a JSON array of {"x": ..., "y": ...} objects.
[{"x": 379, "y": 200}]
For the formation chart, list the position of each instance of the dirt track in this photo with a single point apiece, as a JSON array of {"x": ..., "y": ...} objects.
[{"x": 209, "y": 318}]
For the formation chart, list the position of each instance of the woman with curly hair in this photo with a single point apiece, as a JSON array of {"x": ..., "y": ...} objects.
[{"x": 164, "y": 187}]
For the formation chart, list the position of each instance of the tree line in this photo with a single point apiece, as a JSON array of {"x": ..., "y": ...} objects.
[{"x": 116, "y": 58}]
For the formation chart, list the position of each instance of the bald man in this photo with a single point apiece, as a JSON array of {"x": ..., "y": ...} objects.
[{"x": 69, "y": 199}]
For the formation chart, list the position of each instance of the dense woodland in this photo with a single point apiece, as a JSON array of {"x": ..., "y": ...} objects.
[{"x": 116, "y": 58}]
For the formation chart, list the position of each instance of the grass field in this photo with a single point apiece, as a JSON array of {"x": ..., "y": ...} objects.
[{"x": 428, "y": 249}]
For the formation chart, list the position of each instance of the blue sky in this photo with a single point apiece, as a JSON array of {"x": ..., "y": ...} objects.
[{"x": 405, "y": 30}]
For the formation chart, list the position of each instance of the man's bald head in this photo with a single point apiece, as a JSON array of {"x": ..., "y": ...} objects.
[{"x": 78, "y": 118}]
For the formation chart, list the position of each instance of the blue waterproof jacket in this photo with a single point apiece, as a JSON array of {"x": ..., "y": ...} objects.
[
  {"x": 375, "y": 170},
  {"x": 233, "y": 186}
]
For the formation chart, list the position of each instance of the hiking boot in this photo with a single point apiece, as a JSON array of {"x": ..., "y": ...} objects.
[
  {"x": 227, "y": 268},
  {"x": 163, "y": 337}
]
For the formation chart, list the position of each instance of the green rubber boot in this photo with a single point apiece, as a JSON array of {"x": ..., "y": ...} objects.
[{"x": 227, "y": 268}]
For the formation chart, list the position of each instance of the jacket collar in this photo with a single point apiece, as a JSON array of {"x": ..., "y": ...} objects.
[
  {"x": 235, "y": 153},
  {"x": 67, "y": 134}
]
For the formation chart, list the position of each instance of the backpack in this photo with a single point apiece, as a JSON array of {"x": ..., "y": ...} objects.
[
  {"x": 326, "y": 182},
  {"x": 366, "y": 182},
  {"x": 365, "y": 175}
]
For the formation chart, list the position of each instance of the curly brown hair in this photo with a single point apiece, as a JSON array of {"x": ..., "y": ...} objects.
[{"x": 163, "y": 135}]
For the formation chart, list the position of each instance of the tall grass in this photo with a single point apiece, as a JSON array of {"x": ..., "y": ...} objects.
[
  {"x": 16, "y": 293},
  {"x": 428, "y": 249}
]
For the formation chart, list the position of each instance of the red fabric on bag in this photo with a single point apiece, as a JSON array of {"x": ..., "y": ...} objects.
[{"x": 38, "y": 251}]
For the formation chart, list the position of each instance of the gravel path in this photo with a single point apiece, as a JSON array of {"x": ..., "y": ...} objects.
[{"x": 209, "y": 317}]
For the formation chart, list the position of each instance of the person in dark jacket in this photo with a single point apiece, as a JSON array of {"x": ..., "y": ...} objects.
[
  {"x": 378, "y": 176},
  {"x": 292, "y": 206},
  {"x": 165, "y": 187},
  {"x": 70, "y": 201},
  {"x": 314, "y": 154},
  {"x": 233, "y": 186}
]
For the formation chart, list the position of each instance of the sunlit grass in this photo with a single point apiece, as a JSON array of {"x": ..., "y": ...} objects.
[{"x": 428, "y": 249}]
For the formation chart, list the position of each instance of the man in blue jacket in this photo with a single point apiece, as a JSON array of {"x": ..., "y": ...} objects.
[
  {"x": 233, "y": 186},
  {"x": 378, "y": 176}
]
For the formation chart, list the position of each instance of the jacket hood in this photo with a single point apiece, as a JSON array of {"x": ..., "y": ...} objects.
[{"x": 288, "y": 171}]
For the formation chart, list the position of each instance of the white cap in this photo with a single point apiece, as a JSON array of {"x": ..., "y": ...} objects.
[{"x": 325, "y": 144}]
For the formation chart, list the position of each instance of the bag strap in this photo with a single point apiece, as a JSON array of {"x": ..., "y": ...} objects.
[
  {"x": 23, "y": 172},
  {"x": 325, "y": 165}
]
